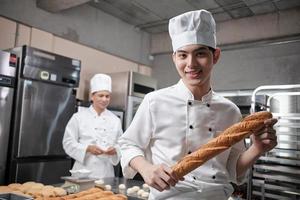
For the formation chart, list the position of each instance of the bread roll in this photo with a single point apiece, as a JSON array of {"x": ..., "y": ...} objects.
[
  {"x": 15, "y": 186},
  {"x": 5, "y": 189},
  {"x": 59, "y": 191},
  {"x": 226, "y": 139}
]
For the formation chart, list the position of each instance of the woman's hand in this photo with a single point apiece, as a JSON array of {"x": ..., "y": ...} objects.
[
  {"x": 265, "y": 139},
  {"x": 94, "y": 149},
  {"x": 110, "y": 151}
]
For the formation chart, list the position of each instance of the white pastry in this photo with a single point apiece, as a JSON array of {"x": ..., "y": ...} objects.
[
  {"x": 122, "y": 187},
  {"x": 145, "y": 194},
  {"x": 140, "y": 192},
  {"x": 146, "y": 187},
  {"x": 99, "y": 182},
  {"x": 130, "y": 191},
  {"x": 136, "y": 188},
  {"x": 107, "y": 187}
]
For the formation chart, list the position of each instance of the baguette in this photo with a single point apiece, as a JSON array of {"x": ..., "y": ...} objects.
[{"x": 226, "y": 139}]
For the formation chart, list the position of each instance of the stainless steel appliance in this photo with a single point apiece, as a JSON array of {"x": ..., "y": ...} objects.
[
  {"x": 45, "y": 101},
  {"x": 128, "y": 90},
  {"x": 276, "y": 175},
  {"x": 7, "y": 84}
]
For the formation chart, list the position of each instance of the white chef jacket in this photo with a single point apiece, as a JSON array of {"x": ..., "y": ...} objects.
[
  {"x": 86, "y": 127},
  {"x": 168, "y": 125}
]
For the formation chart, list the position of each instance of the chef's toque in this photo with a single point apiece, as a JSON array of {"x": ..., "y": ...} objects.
[
  {"x": 100, "y": 82},
  {"x": 194, "y": 27}
]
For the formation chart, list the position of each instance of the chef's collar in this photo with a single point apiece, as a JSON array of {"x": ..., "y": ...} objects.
[
  {"x": 188, "y": 95},
  {"x": 94, "y": 112}
]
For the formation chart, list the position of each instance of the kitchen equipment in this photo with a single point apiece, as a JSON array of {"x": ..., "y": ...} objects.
[
  {"x": 8, "y": 64},
  {"x": 276, "y": 175},
  {"x": 11, "y": 196},
  {"x": 128, "y": 90},
  {"x": 81, "y": 173},
  {"x": 76, "y": 184},
  {"x": 45, "y": 101}
]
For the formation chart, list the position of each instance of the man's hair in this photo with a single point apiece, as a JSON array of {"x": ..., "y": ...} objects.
[{"x": 212, "y": 50}]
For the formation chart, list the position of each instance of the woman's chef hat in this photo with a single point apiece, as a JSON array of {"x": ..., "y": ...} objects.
[
  {"x": 194, "y": 27},
  {"x": 100, "y": 82}
]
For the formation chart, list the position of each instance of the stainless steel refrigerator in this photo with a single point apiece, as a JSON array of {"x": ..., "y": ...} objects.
[
  {"x": 7, "y": 84},
  {"x": 45, "y": 101}
]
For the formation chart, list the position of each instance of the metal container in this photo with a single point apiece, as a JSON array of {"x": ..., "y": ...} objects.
[{"x": 10, "y": 196}]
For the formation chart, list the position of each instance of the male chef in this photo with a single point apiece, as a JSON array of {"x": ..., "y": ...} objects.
[{"x": 175, "y": 121}]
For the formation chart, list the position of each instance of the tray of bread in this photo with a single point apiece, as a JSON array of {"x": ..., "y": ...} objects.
[{"x": 31, "y": 190}]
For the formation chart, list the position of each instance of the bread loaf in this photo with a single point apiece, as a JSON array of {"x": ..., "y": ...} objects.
[{"x": 226, "y": 139}]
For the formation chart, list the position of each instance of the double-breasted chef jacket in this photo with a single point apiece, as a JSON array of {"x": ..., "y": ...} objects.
[
  {"x": 86, "y": 127},
  {"x": 170, "y": 124}
]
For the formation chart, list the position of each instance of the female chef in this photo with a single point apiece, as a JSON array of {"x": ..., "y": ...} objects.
[
  {"x": 175, "y": 121},
  {"x": 91, "y": 135}
]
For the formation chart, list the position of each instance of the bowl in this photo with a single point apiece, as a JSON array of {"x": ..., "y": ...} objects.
[{"x": 81, "y": 173}]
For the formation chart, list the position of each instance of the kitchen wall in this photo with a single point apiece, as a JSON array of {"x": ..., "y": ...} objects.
[
  {"x": 261, "y": 50},
  {"x": 84, "y": 25},
  {"x": 243, "y": 69},
  {"x": 93, "y": 61}
]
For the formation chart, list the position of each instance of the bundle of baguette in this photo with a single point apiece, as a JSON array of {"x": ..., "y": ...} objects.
[
  {"x": 47, "y": 192},
  {"x": 90, "y": 194},
  {"x": 226, "y": 139}
]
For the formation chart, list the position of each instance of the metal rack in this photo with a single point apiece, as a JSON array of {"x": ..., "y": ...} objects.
[{"x": 276, "y": 175}]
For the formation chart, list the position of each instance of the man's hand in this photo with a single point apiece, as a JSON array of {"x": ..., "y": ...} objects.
[
  {"x": 160, "y": 177},
  {"x": 265, "y": 139},
  {"x": 94, "y": 149}
]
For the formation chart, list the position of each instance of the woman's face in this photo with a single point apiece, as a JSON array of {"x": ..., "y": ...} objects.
[
  {"x": 194, "y": 64},
  {"x": 101, "y": 99}
]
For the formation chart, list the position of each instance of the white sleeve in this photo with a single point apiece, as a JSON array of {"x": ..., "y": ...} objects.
[
  {"x": 135, "y": 140},
  {"x": 115, "y": 159},
  {"x": 71, "y": 143},
  {"x": 235, "y": 152}
]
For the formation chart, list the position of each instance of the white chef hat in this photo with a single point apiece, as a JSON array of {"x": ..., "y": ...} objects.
[
  {"x": 194, "y": 27},
  {"x": 100, "y": 82}
]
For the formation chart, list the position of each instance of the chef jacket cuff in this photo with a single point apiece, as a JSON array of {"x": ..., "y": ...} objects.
[
  {"x": 128, "y": 171},
  {"x": 115, "y": 159},
  {"x": 82, "y": 153}
]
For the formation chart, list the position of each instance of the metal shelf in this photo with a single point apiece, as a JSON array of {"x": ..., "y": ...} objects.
[
  {"x": 277, "y": 174},
  {"x": 278, "y": 168},
  {"x": 288, "y": 190},
  {"x": 277, "y": 177},
  {"x": 273, "y": 196},
  {"x": 278, "y": 160}
]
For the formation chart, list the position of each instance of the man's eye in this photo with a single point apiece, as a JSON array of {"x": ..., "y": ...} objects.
[
  {"x": 181, "y": 55},
  {"x": 200, "y": 54}
]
